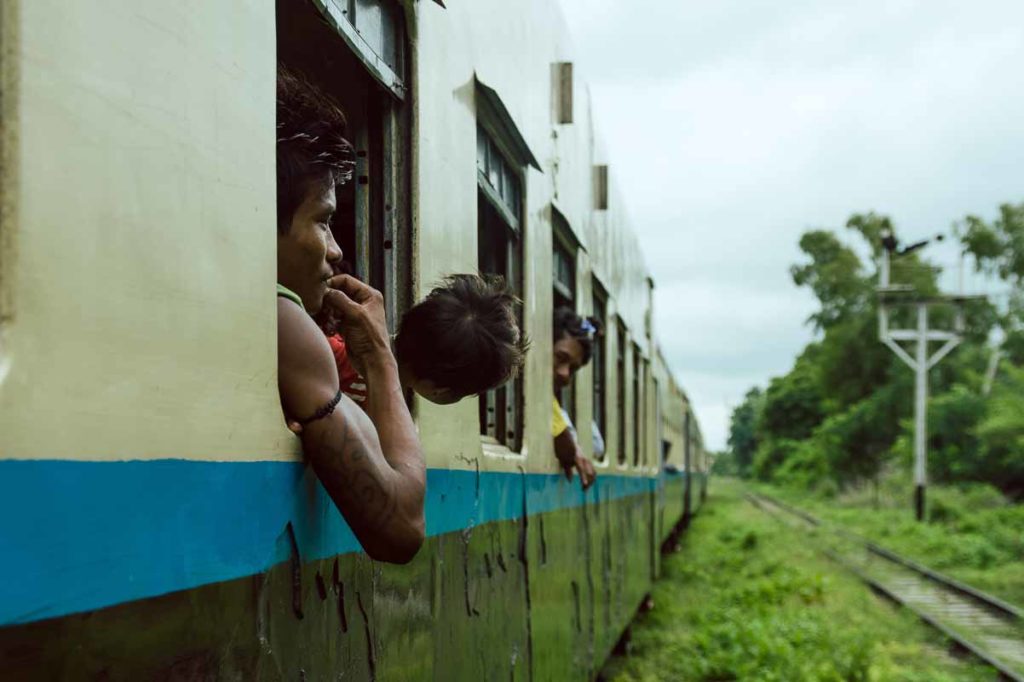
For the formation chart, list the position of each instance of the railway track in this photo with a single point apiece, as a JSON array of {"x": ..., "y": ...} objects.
[{"x": 986, "y": 626}]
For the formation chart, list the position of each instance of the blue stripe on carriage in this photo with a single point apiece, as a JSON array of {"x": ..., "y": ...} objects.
[{"x": 77, "y": 536}]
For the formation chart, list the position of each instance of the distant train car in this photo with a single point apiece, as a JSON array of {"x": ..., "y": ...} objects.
[{"x": 157, "y": 521}]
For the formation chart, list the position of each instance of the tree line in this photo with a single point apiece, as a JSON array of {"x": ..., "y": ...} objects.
[{"x": 843, "y": 414}]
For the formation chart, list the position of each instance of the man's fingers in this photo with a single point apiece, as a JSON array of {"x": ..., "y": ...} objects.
[
  {"x": 587, "y": 472},
  {"x": 339, "y": 301},
  {"x": 352, "y": 287},
  {"x": 567, "y": 468}
]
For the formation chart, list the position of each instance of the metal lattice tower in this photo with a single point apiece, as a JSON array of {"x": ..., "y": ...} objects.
[{"x": 923, "y": 359}]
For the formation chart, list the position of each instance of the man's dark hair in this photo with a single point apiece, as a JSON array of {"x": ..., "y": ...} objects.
[
  {"x": 311, "y": 143},
  {"x": 567, "y": 323},
  {"x": 464, "y": 335}
]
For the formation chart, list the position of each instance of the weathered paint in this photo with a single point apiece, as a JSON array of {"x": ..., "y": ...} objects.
[
  {"x": 458, "y": 611},
  {"x": 157, "y": 521},
  {"x": 129, "y": 530}
]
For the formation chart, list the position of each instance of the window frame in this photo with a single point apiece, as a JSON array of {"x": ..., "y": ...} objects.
[
  {"x": 382, "y": 252},
  {"x": 501, "y": 135},
  {"x": 503, "y": 192},
  {"x": 599, "y": 361},
  {"x": 345, "y": 23},
  {"x": 638, "y": 401},
  {"x": 621, "y": 344},
  {"x": 564, "y": 243}
]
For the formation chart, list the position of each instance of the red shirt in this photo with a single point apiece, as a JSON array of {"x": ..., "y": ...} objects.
[{"x": 351, "y": 383}]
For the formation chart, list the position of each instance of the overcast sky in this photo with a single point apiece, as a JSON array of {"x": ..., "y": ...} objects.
[{"x": 733, "y": 126}]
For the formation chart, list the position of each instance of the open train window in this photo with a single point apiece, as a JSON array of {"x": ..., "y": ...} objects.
[
  {"x": 638, "y": 412},
  {"x": 502, "y": 157},
  {"x": 563, "y": 279},
  {"x": 354, "y": 51},
  {"x": 660, "y": 450},
  {"x": 600, "y": 354},
  {"x": 499, "y": 251},
  {"x": 645, "y": 411},
  {"x": 620, "y": 386}
]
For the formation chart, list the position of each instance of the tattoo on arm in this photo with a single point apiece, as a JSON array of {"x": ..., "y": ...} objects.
[{"x": 362, "y": 480}]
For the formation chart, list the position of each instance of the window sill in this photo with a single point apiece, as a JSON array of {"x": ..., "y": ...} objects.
[{"x": 492, "y": 448}]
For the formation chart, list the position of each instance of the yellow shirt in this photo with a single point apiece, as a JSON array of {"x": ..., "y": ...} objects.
[{"x": 558, "y": 423}]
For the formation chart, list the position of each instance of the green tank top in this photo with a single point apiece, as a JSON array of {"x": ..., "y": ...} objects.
[{"x": 284, "y": 291}]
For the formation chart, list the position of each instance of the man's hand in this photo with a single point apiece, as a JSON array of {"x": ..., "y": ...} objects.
[
  {"x": 581, "y": 464},
  {"x": 570, "y": 457},
  {"x": 587, "y": 472},
  {"x": 360, "y": 309}
]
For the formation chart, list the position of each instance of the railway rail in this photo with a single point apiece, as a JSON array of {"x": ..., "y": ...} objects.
[{"x": 986, "y": 626}]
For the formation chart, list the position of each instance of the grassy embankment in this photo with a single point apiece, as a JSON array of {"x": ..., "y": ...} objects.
[
  {"x": 747, "y": 598},
  {"x": 973, "y": 534}
]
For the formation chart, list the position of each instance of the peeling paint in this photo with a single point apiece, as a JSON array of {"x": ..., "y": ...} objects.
[
  {"x": 578, "y": 617},
  {"x": 339, "y": 590},
  {"x": 543, "y": 541},
  {"x": 371, "y": 658},
  {"x": 465, "y": 536},
  {"x": 296, "y": 564}
]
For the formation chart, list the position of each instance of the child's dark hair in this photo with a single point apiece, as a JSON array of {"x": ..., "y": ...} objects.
[
  {"x": 311, "y": 143},
  {"x": 567, "y": 323},
  {"x": 464, "y": 335}
]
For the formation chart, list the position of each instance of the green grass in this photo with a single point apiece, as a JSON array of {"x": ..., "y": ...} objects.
[
  {"x": 747, "y": 598},
  {"x": 972, "y": 533}
]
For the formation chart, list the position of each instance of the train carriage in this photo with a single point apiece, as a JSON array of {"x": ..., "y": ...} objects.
[{"x": 157, "y": 519}]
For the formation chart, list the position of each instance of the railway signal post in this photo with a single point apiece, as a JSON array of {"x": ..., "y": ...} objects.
[{"x": 922, "y": 360}]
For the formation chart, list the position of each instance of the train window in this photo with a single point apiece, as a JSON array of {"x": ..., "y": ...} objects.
[
  {"x": 353, "y": 50},
  {"x": 650, "y": 393},
  {"x": 563, "y": 92},
  {"x": 620, "y": 385},
  {"x": 563, "y": 274},
  {"x": 502, "y": 157},
  {"x": 658, "y": 427},
  {"x": 563, "y": 278},
  {"x": 601, "y": 188},
  {"x": 637, "y": 405},
  {"x": 598, "y": 362},
  {"x": 499, "y": 250},
  {"x": 687, "y": 440}
]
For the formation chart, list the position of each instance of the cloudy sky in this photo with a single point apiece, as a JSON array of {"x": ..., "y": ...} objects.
[{"x": 733, "y": 126}]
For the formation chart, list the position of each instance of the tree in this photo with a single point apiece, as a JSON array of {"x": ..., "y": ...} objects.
[
  {"x": 742, "y": 438},
  {"x": 792, "y": 405},
  {"x": 842, "y": 411},
  {"x": 833, "y": 275},
  {"x": 997, "y": 247}
]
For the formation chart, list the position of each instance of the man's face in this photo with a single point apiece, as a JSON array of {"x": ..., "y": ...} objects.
[
  {"x": 568, "y": 353},
  {"x": 306, "y": 253}
]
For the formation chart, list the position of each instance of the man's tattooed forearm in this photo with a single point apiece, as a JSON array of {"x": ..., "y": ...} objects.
[{"x": 357, "y": 478}]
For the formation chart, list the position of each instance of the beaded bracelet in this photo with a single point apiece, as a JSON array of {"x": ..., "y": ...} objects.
[{"x": 323, "y": 411}]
